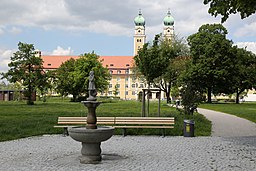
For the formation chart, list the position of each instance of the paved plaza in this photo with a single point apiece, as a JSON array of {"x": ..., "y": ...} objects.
[
  {"x": 231, "y": 147},
  {"x": 55, "y": 152}
]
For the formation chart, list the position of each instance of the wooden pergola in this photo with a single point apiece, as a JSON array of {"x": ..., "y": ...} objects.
[{"x": 145, "y": 92}]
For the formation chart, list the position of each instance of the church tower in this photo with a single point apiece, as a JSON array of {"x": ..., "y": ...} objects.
[
  {"x": 168, "y": 26},
  {"x": 139, "y": 36}
]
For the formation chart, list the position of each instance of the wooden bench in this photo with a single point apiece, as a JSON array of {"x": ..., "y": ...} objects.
[{"x": 120, "y": 122}]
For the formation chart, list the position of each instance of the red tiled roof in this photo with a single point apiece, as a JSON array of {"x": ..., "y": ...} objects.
[
  {"x": 54, "y": 62},
  {"x": 116, "y": 62}
]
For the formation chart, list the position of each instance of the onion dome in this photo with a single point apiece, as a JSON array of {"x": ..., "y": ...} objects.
[
  {"x": 168, "y": 19},
  {"x": 139, "y": 20}
]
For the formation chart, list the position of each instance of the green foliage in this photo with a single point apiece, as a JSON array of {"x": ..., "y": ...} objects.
[
  {"x": 26, "y": 69},
  {"x": 191, "y": 97},
  {"x": 228, "y": 7},
  {"x": 162, "y": 63},
  {"x": 72, "y": 76},
  {"x": 213, "y": 60},
  {"x": 18, "y": 120},
  {"x": 115, "y": 92},
  {"x": 245, "y": 71}
]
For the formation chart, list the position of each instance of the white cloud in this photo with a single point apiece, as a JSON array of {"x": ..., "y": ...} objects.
[
  {"x": 5, "y": 56},
  {"x": 246, "y": 30},
  {"x": 15, "y": 30},
  {"x": 62, "y": 51},
  {"x": 1, "y": 31},
  {"x": 251, "y": 46}
]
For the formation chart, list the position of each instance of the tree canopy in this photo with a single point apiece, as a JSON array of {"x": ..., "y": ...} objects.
[
  {"x": 26, "y": 68},
  {"x": 212, "y": 59},
  {"x": 162, "y": 61},
  {"x": 228, "y": 7},
  {"x": 72, "y": 76}
]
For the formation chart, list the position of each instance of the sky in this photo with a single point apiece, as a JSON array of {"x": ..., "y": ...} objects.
[{"x": 74, "y": 27}]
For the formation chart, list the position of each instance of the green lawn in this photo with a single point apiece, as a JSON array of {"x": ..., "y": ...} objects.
[
  {"x": 243, "y": 110},
  {"x": 18, "y": 120}
]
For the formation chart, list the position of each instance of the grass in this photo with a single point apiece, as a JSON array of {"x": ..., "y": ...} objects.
[
  {"x": 243, "y": 110},
  {"x": 18, "y": 120}
]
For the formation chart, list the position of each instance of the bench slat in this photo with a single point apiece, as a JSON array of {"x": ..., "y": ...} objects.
[{"x": 120, "y": 122}]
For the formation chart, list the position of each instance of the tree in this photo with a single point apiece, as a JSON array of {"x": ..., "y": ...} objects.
[
  {"x": 148, "y": 62},
  {"x": 72, "y": 76},
  {"x": 26, "y": 68},
  {"x": 244, "y": 78},
  {"x": 65, "y": 82},
  {"x": 213, "y": 61},
  {"x": 176, "y": 53},
  {"x": 228, "y": 7},
  {"x": 116, "y": 90},
  {"x": 162, "y": 62}
]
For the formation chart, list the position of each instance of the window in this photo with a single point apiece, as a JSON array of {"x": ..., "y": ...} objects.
[
  {"x": 111, "y": 72},
  {"x": 110, "y": 86},
  {"x": 117, "y": 78},
  {"x": 126, "y": 86},
  {"x": 133, "y": 85},
  {"x": 49, "y": 64},
  {"x": 119, "y": 71},
  {"x": 133, "y": 78},
  {"x": 110, "y": 93},
  {"x": 111, "y": 64},
  {"x": 118, "y": 85},
  {"x": 126, "y": 79},
  {"x": 127, "y": 65},
  {"x": 127, "y": 71},
  {"x": 126, "y": 93},
  {"x": 141, "y": 85},
  {"x": 133, "y": 93}
]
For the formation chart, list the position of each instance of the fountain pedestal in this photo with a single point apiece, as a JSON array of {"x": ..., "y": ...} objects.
[
  {"x": 91, "y": 135},
  {"x": 91, "y": 140}
]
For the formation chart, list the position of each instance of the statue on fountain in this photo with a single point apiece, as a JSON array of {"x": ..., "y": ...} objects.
[{"x": 91, "y": 88}]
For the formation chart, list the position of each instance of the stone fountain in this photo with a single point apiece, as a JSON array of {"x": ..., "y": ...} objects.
[{"x": 91, "y": 135}]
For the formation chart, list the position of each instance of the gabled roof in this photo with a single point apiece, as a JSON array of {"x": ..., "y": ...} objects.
[
  {"x": 115, "y": 62},
  {"x": 54, "y": 62}
]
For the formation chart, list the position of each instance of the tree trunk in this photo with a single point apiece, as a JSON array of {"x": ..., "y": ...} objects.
[
  {"x": 209, "y": 95},
  {"x": 168, "y": 92},
  {"x": 168, "y": 99},
  {"x": 237, "y": 96}
]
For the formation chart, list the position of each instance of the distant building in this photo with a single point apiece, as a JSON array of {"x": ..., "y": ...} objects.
[{"x": 120, "y": 67}]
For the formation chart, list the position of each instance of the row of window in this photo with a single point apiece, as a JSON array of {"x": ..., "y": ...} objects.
[
  {"x": 110, "y": 93},
  {"x": 127, "y": 86},
  {"x": 119, "y": 72}
]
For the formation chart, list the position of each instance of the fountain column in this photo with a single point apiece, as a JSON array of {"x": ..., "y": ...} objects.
[{"x": 91, "y": 135}]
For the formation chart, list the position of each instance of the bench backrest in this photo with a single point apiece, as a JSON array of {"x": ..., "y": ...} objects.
[{"x": 119, "y": 120}]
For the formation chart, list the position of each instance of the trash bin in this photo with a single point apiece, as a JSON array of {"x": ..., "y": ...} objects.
[{"x": 189, "y": 128}]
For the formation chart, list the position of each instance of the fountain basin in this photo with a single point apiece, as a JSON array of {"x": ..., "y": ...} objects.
[
  {"x": 82, "y": 134},
  {"x": 91, "y": 140}
]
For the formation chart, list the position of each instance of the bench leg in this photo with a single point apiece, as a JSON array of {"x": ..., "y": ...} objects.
[
  {"x": 65, "y": 132},
  {"x": 163, "y": 132},
  {"x": 124, "y": 132}
]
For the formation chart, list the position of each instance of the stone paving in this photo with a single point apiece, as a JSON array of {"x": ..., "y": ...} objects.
[
  {"x": 226, "y": 125},
  {"x": 56, "y": 152}
]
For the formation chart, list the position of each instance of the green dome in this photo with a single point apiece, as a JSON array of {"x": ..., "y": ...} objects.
[
  {"x": 168, "y": 20},
  {"x": 139, "y": 20}
]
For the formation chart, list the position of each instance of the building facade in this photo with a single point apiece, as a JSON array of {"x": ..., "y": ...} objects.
[{"x": 123, "y": 80}]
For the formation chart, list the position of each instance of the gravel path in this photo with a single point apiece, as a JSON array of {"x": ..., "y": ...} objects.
[
  {"x": 149, "y": 153},
  {"x": 226, "y": 125}
]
